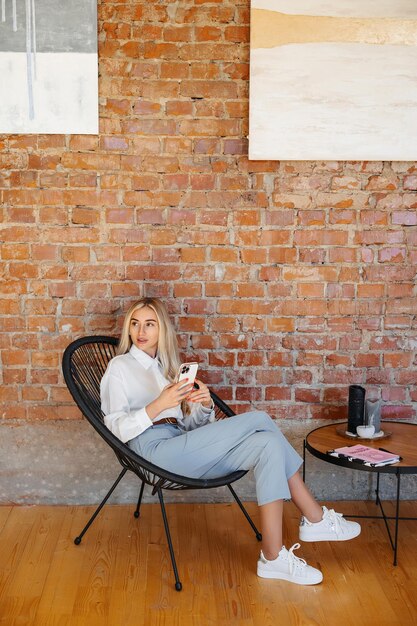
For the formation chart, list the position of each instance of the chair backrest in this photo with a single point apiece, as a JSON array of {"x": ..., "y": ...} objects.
[{"x": 84, "y": 363}]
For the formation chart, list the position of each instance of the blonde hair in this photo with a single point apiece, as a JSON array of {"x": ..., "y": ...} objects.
[{"x": 167, "y": 351}]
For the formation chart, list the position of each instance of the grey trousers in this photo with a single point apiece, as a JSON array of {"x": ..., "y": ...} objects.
[{"x": 247, "y": 441}]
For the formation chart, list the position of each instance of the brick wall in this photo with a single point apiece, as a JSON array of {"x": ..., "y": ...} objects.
[{"x": 288, "y": 281}]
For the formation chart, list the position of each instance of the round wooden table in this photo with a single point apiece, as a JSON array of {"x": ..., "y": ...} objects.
[{"x": 402, "y": 441}]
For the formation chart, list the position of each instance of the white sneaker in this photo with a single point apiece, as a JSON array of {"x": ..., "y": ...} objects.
[
  {"x": 333, "y": 527},
  {"x": 289, "y": 567}
]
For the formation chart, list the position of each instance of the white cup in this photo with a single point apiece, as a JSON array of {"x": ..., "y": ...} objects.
[{"x": 365, "y": 431}]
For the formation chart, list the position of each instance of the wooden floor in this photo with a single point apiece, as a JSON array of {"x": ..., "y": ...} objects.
[{"x": 121, "y": 573}]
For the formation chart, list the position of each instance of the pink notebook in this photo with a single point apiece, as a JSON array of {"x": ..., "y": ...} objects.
[{"x": 365, "y": 455}]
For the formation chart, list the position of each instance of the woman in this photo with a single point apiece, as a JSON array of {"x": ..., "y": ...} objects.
[{"x": 173, "y": 426}]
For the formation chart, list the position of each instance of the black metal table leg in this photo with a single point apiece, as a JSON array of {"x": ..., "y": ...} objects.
[
  {"x": 397, "y": 514},
  {"x": 304, "y": 461}
]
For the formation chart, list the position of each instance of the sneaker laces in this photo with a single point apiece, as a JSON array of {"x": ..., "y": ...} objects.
[
  {"x": 295, "y": 562},
  {"x": 336, "y": 520}
]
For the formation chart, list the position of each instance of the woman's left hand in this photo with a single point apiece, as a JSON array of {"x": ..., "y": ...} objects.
[{"x": 201, "y": 395}]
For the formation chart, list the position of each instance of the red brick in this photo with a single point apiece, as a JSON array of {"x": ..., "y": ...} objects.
[
  {"x": 249, "y": 290},
  {"x": 368, "y": 360},
  {"x": 277, "y": 393},
  {"x": 281, "y": 324},
  {"x": 62, "y": 290},
  {"x": 208, "y": 89},
  {"x": 378, "y": 218},
  {"x": 220, "y": 128},
  {"x": 207, "y": 71},
  {"x": 312, "y": 218},
  {"x": 17, "y": 252},
  {"x": 159, "y": 51},
  {"x": 85, "y": 216},
  {"x": 136, "y": 253},
  {"x": 207, "y": 146},
  {"x": 392, "y": 255},
  {"x": 381, "y": 236},
  {"x": 177, "y": 145},
  {"x": 120, "y": 216},
  {"x": 310, "y": 290},
  {"x": 310, "y": 396},
  {"x": 405, "y": 218},
  {"x": 142, "y": 145},
  {"x": 179, "y": 107},
  {"x": 410, "y": 182},
  {"x": 23, "y": 270},
  {"x": 83, "y": 142},
  {"x": 371, "y": 291},
  {"x": 187, "y": 290},
  {"x": 40, "y": 306},
  {"x": 192, "y": 324},
  {"x": 397, "y": 360},
  {"x": 217, "y": 290},
  {"x": 208, "y": 33},
  {"x": 177, "y": 33},
  {"x": 22, "y": 215},
  {"x": 75, "y": 254},
  {"x": 398, "y": 412}
]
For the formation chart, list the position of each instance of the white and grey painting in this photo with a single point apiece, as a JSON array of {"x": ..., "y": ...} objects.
[
  {"x": 333, "y": 80},
  {"x": 48, "y": 66}
]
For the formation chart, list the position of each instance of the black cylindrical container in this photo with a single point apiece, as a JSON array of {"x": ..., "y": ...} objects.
[{"x": 356, "y": 411}]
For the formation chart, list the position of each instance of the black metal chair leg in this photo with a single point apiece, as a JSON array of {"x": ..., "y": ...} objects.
[
  {"x": 245, "y": 513},
  {"x": 77, "y": 540},
  {"x": 178, "y": 585},
  {"x": 137, "y": 510}
]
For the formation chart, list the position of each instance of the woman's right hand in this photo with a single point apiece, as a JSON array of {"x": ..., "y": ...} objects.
[{"x": 171, "y": 396}]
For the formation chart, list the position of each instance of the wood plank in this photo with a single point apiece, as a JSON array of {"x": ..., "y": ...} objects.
[
  {"x": 130, "y": 572},
  {"x": 61, "y": 587},
  {"x": 4, "y": 514},
  {"x": 229, "y": 563},
  {"x": 121, "y": 573},
  {"x": 32, "y": 569},
  {"x": 195, "y": 566},
  {"x": 99, "y": 551}
]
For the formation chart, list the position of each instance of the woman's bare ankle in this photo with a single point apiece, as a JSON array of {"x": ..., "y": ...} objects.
[
  {"x": 270, "y": 555},
  {"x": 315, "y": 516}
]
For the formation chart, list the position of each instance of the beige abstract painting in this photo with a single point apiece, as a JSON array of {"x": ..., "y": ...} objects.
[{"x": 333, "y": 80}]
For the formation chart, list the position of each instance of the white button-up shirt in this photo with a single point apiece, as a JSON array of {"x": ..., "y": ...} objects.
[{"x": 130, "y": 383}]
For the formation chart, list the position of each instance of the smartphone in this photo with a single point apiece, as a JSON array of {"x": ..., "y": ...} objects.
[{"x": 187, "y": 370}]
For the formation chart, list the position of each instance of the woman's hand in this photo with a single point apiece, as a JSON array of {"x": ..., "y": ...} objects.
[
  {"x": 171, "y": 396},
  {"x": 201, "y": 395}
]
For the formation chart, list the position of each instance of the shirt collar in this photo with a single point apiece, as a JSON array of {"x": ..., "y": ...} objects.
[{"x": 144, "y": 359}]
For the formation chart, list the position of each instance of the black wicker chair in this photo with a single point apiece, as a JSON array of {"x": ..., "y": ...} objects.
[{"x": 84, "y": 363}]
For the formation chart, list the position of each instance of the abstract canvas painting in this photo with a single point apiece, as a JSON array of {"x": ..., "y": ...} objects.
[
  {"x": 333, "y": 80},
  {"x": 48, "y": 66}
]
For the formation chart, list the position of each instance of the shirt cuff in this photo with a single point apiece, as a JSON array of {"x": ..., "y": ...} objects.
[
  {"x": 208, "y": 409},
  {"x": 136, "y": 424}
]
